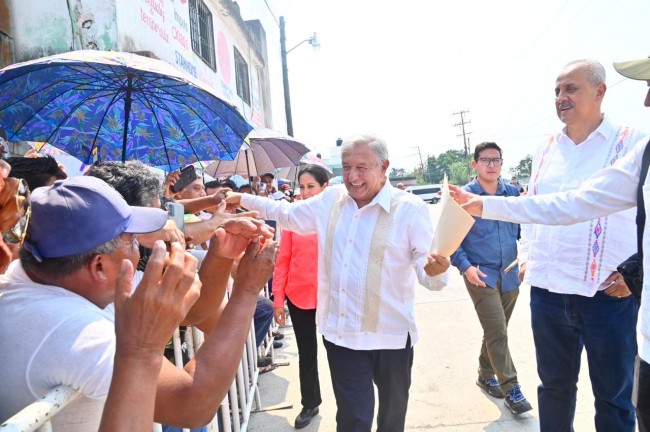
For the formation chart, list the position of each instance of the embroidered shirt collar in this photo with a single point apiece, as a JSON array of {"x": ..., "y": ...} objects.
[
  {"x": 605, "y": 129},
  {"x": 382, "y": 198}
]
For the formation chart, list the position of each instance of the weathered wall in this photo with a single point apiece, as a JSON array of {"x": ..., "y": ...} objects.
[
  {"x": 161, "y": 27},
  {"x": 42, "y": 28}
]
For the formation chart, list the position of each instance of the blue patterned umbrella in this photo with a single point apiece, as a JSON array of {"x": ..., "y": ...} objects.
[{"x": 106, "y": 106}]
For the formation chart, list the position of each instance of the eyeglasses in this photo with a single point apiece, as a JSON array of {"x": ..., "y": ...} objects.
[
  {"x": 19, "y": 231},
  {"x": 495, "y": 161}
]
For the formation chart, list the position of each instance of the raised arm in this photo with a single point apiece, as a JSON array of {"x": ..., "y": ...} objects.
[
  {"x": 143, "y": 322},
  {"x": 190, "y": 397}
]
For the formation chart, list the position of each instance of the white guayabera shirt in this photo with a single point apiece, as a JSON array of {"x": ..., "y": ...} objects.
[
  {"x": 368, "y": 261},
  {"x": 608, "y": 191},
  {"x": 576, "y": 259}
]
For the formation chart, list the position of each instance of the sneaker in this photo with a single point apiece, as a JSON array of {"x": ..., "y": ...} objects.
[
  {"x": 491, "y": 386},
  {"x": 516, "y": 402}
]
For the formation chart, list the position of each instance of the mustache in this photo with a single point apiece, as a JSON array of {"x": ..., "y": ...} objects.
[{"x": 566, "y": 105}]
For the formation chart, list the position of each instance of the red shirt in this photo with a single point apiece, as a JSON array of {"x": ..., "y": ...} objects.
[{"x": 296, "y": 270}]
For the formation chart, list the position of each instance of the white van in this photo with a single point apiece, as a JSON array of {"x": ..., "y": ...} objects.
[{"x": 429, "y": 193}]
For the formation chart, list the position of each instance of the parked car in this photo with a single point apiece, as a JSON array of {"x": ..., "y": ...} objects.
[{"x": 430, "y": 193}]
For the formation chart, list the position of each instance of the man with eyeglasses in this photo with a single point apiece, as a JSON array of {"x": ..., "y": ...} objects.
[
  {"x": 578, "y": 299},
  {"x": 484, "y": 259}
]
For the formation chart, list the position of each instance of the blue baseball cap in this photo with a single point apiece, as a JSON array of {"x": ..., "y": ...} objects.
[{"x": 80, "y": 213}]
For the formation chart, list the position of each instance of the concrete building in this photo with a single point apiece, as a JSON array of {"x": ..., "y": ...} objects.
[{"x": 208, "y": 39}]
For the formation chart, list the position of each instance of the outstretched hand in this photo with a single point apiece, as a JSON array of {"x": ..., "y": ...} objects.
[
  {"x": 169, "y": 234},
  {"x": 471, "y": 203},
  {"x": 255, "y": 268},
  {"x": 145, "y": 319}
]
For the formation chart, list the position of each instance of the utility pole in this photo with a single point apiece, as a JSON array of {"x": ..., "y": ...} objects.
[
  {"x": 465, "y": 140},
  {"x": 285, "y": 77},
  {"x": 426, "y": 180}
]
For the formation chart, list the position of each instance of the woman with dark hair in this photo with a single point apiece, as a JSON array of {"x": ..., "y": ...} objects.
[
  {"x": 36, "y": 171},
  {"x": 296, "y": 279}
]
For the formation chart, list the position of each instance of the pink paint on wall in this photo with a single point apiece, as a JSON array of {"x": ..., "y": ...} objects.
[{"x": 224, "y": 57}]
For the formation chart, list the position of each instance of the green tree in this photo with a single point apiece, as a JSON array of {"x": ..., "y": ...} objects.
[
  {"x": 448, "y": 162},
  {"x": 524, "y": 169},
  {"x": 397, "y": 173},
  {"x": 458, "y": 173}
]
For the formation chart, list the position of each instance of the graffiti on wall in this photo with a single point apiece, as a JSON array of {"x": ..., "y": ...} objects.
[
  {"x": 185, "y": 64},
  {"x": 180, "y": 30},
  {"x": 152, "y": 14},
  {"x": 87, "y": 19}
]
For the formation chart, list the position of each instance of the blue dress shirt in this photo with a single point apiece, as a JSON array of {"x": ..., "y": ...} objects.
[{"x": 490, "y": 245}]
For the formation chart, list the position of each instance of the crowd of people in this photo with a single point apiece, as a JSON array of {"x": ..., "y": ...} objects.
[{"x": 97, "y": 272}]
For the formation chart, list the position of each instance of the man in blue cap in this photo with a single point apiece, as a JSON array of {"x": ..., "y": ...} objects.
[{"x": 80, "y": 236}]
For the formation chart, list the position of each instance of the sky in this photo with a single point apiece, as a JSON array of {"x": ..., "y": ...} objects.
[{"x": 401, "y": 69}]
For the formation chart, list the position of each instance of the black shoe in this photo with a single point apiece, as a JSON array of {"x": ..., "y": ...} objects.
[
  {"x": 305, "y": 416},
  {"x": 277, "y": 344},
  {"x": 264, "y": 361},
  {"x": 516, "y": 402},
  {"x": 278, "y": 336},
  {"x": 491, "y": 386}
]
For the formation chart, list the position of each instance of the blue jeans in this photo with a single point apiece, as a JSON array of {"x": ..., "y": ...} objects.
[
  {"x": 606, "y": 327},
  {"x": 262, "y": 319}
]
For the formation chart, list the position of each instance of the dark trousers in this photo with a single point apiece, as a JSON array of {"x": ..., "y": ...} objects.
[
  {"x": 304, "y": 327},
  {"x": 606, "y": 327},
  {"x": 643, "y": 397},
  {"x": 353, "y": 373}
]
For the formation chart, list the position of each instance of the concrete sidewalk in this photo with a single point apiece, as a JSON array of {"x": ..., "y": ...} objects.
[{"x": 443, "y": 396}]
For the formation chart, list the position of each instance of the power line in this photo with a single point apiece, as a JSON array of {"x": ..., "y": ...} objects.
[
  {"x": 268, "y": 6},
  {"x": 465, "y": 139}
]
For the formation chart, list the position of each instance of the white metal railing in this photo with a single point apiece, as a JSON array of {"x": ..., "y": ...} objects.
[
  {"x": 38, "y": 416},
  {"x": 234, "y": 413}
]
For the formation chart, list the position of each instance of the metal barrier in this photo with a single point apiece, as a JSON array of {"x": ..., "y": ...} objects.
[
  {"x": 37, "y": 416},
  {"x": 235, "y": 410}
]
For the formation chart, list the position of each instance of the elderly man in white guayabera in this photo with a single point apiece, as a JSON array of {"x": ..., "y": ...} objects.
[{"x": 373, "y": 241}]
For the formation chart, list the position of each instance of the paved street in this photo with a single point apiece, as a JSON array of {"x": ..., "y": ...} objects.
[{"x": 444, "y": 396}]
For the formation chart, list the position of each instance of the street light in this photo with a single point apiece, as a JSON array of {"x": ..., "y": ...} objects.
[{"x": 313, "y": 41}]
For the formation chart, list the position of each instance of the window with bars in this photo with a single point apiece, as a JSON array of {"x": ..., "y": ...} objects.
[
  {"x": 241, "y": 75},
  {"x": 202, "y": 32}
]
